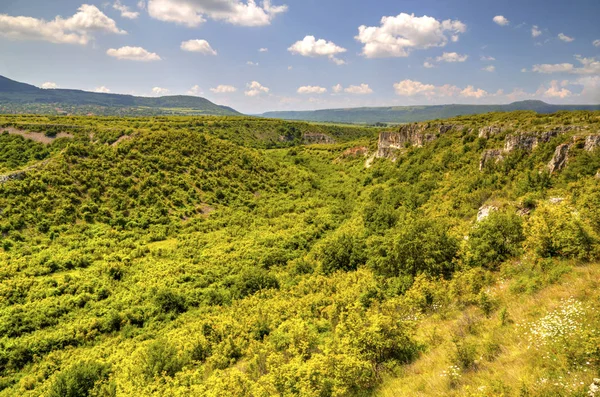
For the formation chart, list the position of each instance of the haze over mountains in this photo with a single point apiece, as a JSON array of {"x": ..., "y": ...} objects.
[{"x": 17, "y": 97}]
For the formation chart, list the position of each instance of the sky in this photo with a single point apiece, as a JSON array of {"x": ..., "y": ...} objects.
[{"x": 259, "y": 56}]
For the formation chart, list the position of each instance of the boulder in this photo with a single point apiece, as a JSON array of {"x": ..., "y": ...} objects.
[
  {"x": 489, "y": 131},
  {"x": 11, "y": 177},
  {"x": 526, "y": 142},
  {"x": 485, "y": 211}
]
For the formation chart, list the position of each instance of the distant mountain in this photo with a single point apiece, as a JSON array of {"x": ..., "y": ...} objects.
[
  {"x": 409, "y": 114},
  {"x": 16, "y": 97}
]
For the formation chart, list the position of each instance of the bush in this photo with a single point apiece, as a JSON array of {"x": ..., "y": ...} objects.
[
  {"x": 160, "y": 358},
  {"x": 253, "y": 280},
  {"x": 556, "y": 230},
  {"x": 80, "y": 380},
  {"x": 343, "y": 252},
  {"x": 169, "y": 301},
  {"x": 495, "y": 239},
  {"x": 417, "y": 246}
]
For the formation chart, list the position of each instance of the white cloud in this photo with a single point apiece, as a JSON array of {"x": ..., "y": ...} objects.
[
  {"x": 471, "y": 92},
  {"x": 49, "y": 85},
  {"x": 263, "y": 50},
  {"x": 501, "y": 20},
  {"x": 311, "y": 47},
  {"x": 596, "y": 43},
  {"x": 125, "y": 11},
  {"x": 487, "y": 58},
  {"x": 589, "y": 66},
  {"x": 556, "y": 90},
  {"x": 428, "y": 65},
  {"x": 201, "y": 46},
  {"x": 398, "y": 36},
  {"x": 290, "y": 67},
  {"x": 195, "y": 90},
  {"x": 102, "y": 89},
  {"x": 524, "y": 70},
  {"x": 77, "y": 29},
  {"x": 451, "y": 57},
  {"x": 141, "y": 4},
  {"x": 133, "y": 54},
  {"x": 250, "y": 63},
  {"x": 160, "y": 91},
  {"x": 255, "y": 89},
  {"x": 310, "y": 89},
  {"x": 553, "y": 68},
  {"x": 489, "y": 68},
  {"x": 224, "y": 89},
  {"x": 591, "y": 88},
  {"x": 192, "y": 13},
  {"x": 411, "y": 88},
  {"x": 565, "y": 38},
  {"x": 337, "y": 88},
  {"x": 535, "y": 31},
  {"x": 362, "y": 89}
]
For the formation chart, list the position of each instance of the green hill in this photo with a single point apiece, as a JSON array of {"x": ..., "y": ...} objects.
[
  {"x": 410, "y": 114},
  {"x": 18, "y": 97},
  {"x": 238, "y": 256}
]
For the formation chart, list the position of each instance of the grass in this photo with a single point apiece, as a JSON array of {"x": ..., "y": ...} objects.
[{"x": 506, "y": 360}]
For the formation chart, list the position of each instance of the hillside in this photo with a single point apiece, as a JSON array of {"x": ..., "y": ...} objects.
[
  {"x": 238, "y": 256},
  {"x": 410, "y": 114},
  {"x": 18, "y": 97}
]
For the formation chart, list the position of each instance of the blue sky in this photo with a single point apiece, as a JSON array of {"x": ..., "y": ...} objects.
[{"x": 315, "y": 54}]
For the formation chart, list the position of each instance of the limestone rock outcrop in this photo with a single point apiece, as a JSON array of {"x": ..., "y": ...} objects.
[
  {"x": 592, "y": 142},
  {"x": 410, "y": 135},
  {"x": 314, "y": 137},
  {"x": 488, "y": 156},
  {"x": 10, "y": 177},
  {"x": 559, "y": 160}
]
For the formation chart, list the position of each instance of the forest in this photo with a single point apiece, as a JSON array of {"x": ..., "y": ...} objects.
[{"x": 240, "y": 256}]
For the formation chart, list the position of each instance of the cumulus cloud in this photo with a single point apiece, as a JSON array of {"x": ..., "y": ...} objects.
[
  {"x": 411, "y": 88},
  {"x": 255, "y": 89},
  {"x": 428, "y": 65},
  {"x": 160, "y": 91},
  {"x": 501, "y": 20},
  {"x": 133, "y": 54},
  {"x": 489, "y": 68},
  {"x": 224, "y": 89},
  {"x": 310, "y": 89},
  {"x": 311, "y": 47},
  {"x": 195, "y": 90},
  {"x": 337, "y": 88},
  {"x": 201, "y": 46},
  {"x": 451, "y": 57},
  {"x": 78, "y": 29},
  {"x": 487, "y": 59},
  {"x": 125, "y": 11},
  {"x": 141, "y": 4},
  {"x": 49, "y": 85},
  {"x": 535, "y": 31},
  {"x": 362, "y": 89},
  {"x": 565, "y": 38},
  {"x": 263, "y": 50},
  {"x": 556, "y": 90},
  {"x": 192, "y": 13},
  {"x": 398, "y": 36},
  {"x": 102, "y": 89},
  {"x": 250, "y": 63},
  {"x": 472, "y": 92},
  {"x": 588, "y": 66},
  {"x": 596, "y": 43},
  {"x": 591, "y": 88}
]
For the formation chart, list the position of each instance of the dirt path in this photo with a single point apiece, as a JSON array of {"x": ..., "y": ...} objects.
[{"x": 35, "y": 136}]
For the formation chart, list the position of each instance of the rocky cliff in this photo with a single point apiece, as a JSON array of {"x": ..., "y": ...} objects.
[{"x": 410, "y": 135}]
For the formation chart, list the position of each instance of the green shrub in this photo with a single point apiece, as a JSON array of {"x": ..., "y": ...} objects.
[
  {"x": 343, "y": 252},
  {"x": 160, "y": 358},
  {"x": 495, "y": 239},
  {"x": 81, "y": 380}
]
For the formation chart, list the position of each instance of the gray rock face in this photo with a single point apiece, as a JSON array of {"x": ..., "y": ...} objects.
[
  {"x": 522, "y": 141},
  {"x": 489, "y": 131},
  {"x": 10, "y": 177},
  {"x": 489, "y": 156},
  {"x": 313, "y": 137},
  {"x": 592, "y": 142},
  {"x": 559, "y": 160},
  {"x": 415, "y": 135}
]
